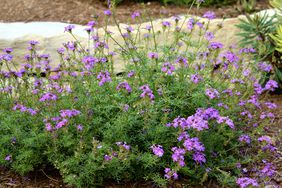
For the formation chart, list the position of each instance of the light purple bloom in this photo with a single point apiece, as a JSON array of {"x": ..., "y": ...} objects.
[
  {"x": 195, "y": 78},
  {"x": 168, "y": 68},
  {"x": 69, "y": 113},
  {"x": 147, "y": 92},
  {"x": 245, "y": 182},
  {"x": 212, "y": 93},
  {"x": 135, "y": 14},
  {"x": 153, "y": 55},
  {"x": 245, "y": 138},
  {"x": 271, "y": 85},
  {"x": 209, "y": 15},
  {"x": 103, "y": 77},
  {"x": 157, "y": 150},
  {"x": 107, "y": 12},
  {"x": 69, "y": 28},
  {"x": 8, "y": 158},
  {"x": 215, "y": 45},
  {"x": 124, "y": 85}
]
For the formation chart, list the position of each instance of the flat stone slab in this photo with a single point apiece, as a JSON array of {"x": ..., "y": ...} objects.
[{"x": 51, "y": 35}]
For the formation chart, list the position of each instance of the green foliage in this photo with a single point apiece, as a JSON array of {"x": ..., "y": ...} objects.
[{"x": 262, "y": 33}]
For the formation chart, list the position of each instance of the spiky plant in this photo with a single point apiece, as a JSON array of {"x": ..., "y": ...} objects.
[{"x": 264, "y": 33}]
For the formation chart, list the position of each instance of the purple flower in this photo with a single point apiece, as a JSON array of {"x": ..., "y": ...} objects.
[
  {"x": 92, "y": 24},
  {"x": 197, "y": 122},
  {"x": 170, "y": 173},
  {"x": 79, "y": 127},
  {"x": 48, "y": 127},
  {"x": 126, "y": 107},
  {"x": 71, "y": 46},
  {"x": 48, "y": 97},
  {"x": 108, "y": 157},
  {"x": 6, "y": 57},
  {"x": 247, "y": 50},
  {"x": 157, "y": 150},
  {"x": 33, "y": 42},
  {"x": 268, "y": 170},
  {"x": 265, "y": 67},
  {"x": 168, "y": 68},
  {"x": 271, "y": 85},
  {"x": 178, "y": 155},
  {"x": 8, "y": 158},
  {"x": 130, "y": 74},
  {"x": 8, "y": 50},
  {"x": 124, "y": 85},
  {"x": 103, "y": 77},
  {"x": 209, "y": 36},
  {"x": 182, "y": 61},
  {"x": 231, "y": 57},
  {"x": 69, "y": 113},
  {"x": 215, "y": 45},
  {"x": 190, "y": 23},
  {"x": 195, "y": 78},
  {"x": 147, "y": 92},
  {"x": 212, "y": 93},
  {"x": 270, "y": 105},
  {"x": 62, "y": 123},
  {"x": 89, "y": 62},
  {"x": 209, "y": 15},
  {"x": 245, "y": 138},
  {"x": 69, "y": 28},
  {"x": 135, "y": 14},
  {"x": 193, "y": 144},
  {"x": 107, "y": 12},
  {"x": 166, "y": 24},
  {"x": 153, "y": 55},
  {"x": 148, "y": 27},
  {"x": 245, "y": 182},
  {"x": 266, "y": 139},
  {"x": 199, "y": 158}
]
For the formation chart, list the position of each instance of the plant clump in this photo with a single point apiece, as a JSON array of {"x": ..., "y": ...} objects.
[{"x": 186, "y": 108}]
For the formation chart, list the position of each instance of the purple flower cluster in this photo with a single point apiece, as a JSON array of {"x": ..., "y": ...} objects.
[
  {"x": 209, "y": 15},
  {"x": 124, "y": 85},
  {"x": 215, "y": 45},
  {"x": 157, "y": 150},
  {"x": 153, "y": 55},
  {"x": 22, "y": 108},
  {"x": 169, "y": 173},
  {"x": 246, "y": 182},
  {"x": 123, "y": 145},
  {"x": 103, "y": 77},
  {"x": 212, "y": 93},
  {"x": 196, "y": 78},
  {"x": 69, "y": 113},
  {"x": 147, "y": 92},
  {"x": 168, "y": 68},
  {"x": 245, "y": 138}
]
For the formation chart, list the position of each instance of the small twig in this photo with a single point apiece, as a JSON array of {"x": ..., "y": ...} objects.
[{"x": 49, "y": 177}]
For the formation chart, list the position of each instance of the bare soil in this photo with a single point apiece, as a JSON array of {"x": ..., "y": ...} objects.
[{"x": 82, "y": 11}]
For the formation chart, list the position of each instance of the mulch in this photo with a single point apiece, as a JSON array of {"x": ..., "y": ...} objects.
[{"x": 82, "y": 11}]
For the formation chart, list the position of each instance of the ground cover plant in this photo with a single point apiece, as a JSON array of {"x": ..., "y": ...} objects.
[{"x": 184, "y": 109}]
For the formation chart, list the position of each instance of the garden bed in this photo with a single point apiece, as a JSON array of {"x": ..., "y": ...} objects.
[{"x": 97, "y": 127}]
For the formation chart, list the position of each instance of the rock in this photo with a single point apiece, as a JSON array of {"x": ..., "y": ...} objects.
[{"x": 51, "y": 35}]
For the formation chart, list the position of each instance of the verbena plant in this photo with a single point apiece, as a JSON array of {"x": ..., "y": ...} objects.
[{"x": 185, "y": 108}]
